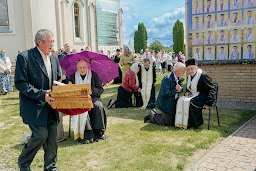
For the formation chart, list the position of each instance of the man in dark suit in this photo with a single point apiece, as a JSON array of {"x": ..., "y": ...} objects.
[
  {"x": 36, "y": 69},
  {"x": 167, "y": 98}
]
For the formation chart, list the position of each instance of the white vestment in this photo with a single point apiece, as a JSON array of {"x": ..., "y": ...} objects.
[
  {"x": 183, "y": 103},
  {"x": 147, "y": 81},
  {"x": 79, "y": 121}
]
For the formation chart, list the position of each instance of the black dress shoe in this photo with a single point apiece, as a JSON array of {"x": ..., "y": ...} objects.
[
  {"x": 84, "y": 141},
  {"x": 147, "y": 118},
  {"x": 109, "y": 102}
]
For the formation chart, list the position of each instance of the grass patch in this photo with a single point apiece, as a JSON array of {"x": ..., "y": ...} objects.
[{"x": 130, "y": 144}]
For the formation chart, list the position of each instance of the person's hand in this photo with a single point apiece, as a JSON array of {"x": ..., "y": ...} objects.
[
  {"x": 206, "y": 107},
  {"x": 125, "y": 63},
  {"x": 48, "y": 98},
  {"x": 187, "y": 94},
  {"x": 178, "y": 88},
  {"x": 139, "y": 90}
]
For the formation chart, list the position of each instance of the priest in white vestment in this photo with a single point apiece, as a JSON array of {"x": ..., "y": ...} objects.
[
  {"x": 200, "y": 94},
  {"x": 89, "y": 127},
  {"x": 147, "y": 78}
]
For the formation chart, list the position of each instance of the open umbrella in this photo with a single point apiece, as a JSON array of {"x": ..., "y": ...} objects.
[{"x": 106, "y": 69}]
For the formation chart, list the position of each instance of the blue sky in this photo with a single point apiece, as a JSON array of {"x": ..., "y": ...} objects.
[{"x": 158, "y": 17}]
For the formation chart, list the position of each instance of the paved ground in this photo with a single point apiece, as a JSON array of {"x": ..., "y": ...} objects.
[{"x": 236, "y": 153}]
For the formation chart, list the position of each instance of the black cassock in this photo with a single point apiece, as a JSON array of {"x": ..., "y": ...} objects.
[
  {"x": 96, "y": 122},
  {"x": 206, "y": 97},
  {"x": 152, "y": 100}
]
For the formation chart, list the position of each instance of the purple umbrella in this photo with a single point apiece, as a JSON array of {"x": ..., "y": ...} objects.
[{"x": 106, "y": 69}]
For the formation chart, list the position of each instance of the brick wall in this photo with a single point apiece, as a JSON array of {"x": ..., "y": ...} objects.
[{"x": 237, "y": 82}]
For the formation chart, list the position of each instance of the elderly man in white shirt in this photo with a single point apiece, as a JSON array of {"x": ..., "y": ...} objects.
[
  {"x": 221, "y": 55},
  {"x": 209, "y": 39},
  {"x": 249, "y": 3},
  {"x": 208, "y": 55},
  {"x": 235, "y": 38},
  {"x": 197, "y": 24},
  {"x": 209, "y": 7},
  {"x": 222, "y": 6},
  {"x": 209, "y": 23},
  {"x": 236, "y": 4},
  {"x": 222, "y": 39},
  {"x": 249, "y": 36},
  {"x": 248, "y": 54},
  {"x": 197, "y": 55},
  {"x": 236, "y": 21},
  {"x": 197, "y": 9},
  {"x": 197, "y": 40},
  {"x": 249, "y": 20},
  {"x": 222, "y": 22}
]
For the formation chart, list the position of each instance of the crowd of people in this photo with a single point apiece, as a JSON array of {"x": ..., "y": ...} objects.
[{"x": 137, "y": 75}]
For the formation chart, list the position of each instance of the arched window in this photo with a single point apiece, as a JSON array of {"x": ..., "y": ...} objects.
[
  {"x": 77, "y": 23},
  {"x": 4, "y": 19}
]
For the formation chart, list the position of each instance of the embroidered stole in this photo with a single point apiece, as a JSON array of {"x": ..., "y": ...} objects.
[
  {"x": 147, "y": 81},
  {"x": 79, "y": 121},
  {"x": 182, "y": 108}
]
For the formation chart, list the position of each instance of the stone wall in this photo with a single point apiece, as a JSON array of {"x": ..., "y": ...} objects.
[{"x": 237, "y": 84}]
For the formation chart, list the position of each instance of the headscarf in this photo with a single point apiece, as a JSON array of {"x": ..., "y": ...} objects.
[
  {"x": 134, "y": 68},
  {"x": 3, "y": 57}
]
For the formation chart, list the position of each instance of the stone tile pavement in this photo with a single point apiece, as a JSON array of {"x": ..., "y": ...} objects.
[{"x": 236, "y": 153}]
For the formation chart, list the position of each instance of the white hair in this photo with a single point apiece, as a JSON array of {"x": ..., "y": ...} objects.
[
  {"x": 41, "y": 35},
  {"x": 178, "y": 66}
]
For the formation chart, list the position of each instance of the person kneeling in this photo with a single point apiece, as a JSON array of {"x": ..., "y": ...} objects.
[
  {"x": 130, "y": 83},
  {"x": 171, "y": 86},
  {"x": 200, "y": 94},
  {"x": 92, "y": 126}
]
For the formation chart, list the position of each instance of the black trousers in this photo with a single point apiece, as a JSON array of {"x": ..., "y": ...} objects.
[
  {"x": 45, "y": 136},
  {"x": 163, "y": 119}
]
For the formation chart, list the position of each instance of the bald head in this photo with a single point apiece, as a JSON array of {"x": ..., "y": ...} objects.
[{"x": 82, "y": 67}]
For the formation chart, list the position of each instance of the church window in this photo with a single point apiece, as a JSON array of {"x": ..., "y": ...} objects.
[
  {"x": 4, "y": 18},
  {"x": 77, "y": 23}
]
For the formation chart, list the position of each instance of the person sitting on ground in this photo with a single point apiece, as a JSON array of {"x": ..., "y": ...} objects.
[
  {"x": 147, "y": 79},
  {"x": 130, "y": 83},
  {"x": 171, "y": 86},
  {"x": 96, "y": 121},
  {"x": 200, "y": 94}
]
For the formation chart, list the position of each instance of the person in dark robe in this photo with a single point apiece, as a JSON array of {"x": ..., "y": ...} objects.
[
  {"x": 116, "y": 60},
  {"x": 147, "y": 79},
  {"x": 130, "y": 84},
  {"x": 171, "y": 86},
  {"x": 96, "y": 122},
  {"x": 200, "y": 94}
]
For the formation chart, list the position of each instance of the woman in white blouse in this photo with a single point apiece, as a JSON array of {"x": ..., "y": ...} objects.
[{"x": 5, "y": 73}]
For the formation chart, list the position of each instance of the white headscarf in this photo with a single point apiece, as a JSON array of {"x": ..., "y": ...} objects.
[{"x": 134, "y": 68}]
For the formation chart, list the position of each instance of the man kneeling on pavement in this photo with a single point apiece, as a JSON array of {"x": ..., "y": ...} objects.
[{"x": 200, "y": 94}]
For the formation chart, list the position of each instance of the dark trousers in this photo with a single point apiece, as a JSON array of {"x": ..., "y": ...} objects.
[
  {"x": 96, "y": 122},
  {"x": 45, "y": 136},
  {"x": 163, "y": 119}
]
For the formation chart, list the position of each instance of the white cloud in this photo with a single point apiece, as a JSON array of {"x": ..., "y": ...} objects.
[{"x": 135, "y": 27}]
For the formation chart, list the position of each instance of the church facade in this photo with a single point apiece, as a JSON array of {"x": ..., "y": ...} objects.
[{"x": 71, "y": 21}]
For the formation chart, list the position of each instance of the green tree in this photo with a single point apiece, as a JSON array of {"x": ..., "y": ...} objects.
[
  {"x": 156, "y": 45},
  {"x": 140, "y": 38},
  {"x": 178, "y": 37}
]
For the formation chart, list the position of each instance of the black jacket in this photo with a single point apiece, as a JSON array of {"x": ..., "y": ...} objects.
[{"x": 31, "y": 79}]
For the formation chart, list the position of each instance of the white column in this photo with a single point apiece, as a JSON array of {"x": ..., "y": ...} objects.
[{"x": 120, "y": 26}]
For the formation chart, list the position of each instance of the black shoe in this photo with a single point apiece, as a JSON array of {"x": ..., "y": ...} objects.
[
  {"x": 109, "y": 102},
  {"x": 84, "y": 141},
  {"x": 112, "y": 103}
]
